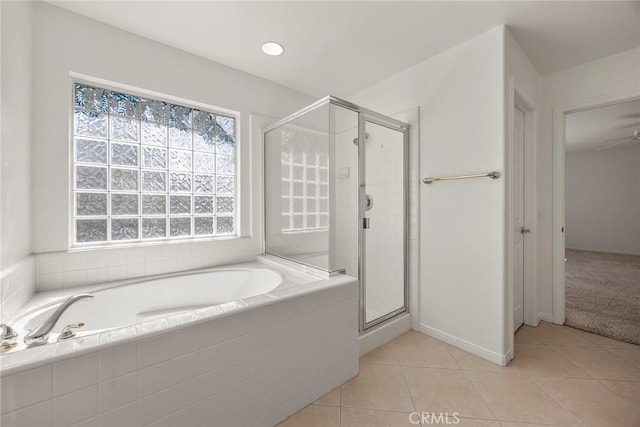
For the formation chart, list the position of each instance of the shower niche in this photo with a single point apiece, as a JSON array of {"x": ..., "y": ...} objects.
[{"x": 336, "y": 199}]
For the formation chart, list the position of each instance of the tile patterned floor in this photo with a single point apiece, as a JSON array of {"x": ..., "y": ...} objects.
[{"x": 559, "y": 377}]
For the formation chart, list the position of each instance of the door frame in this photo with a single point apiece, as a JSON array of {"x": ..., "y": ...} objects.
[
  {"x": 377, "y": 119},
  {"x": 559, "y": 153},
  {"x": 530, "y": 211},
  {"x": 518, "y": 210}
]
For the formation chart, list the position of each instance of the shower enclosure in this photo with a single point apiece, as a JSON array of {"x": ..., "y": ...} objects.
[{"x": 336, "y": 199}]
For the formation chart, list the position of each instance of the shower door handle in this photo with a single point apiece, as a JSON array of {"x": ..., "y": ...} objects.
[{"x": 365, "y": 223}]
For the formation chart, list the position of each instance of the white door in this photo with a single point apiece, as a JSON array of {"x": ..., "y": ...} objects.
[{"x": 518, "y": 213}]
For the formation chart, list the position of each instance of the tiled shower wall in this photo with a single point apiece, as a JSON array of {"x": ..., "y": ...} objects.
[
  {"x": 17, "y": 286},
  {"x": 254, "y": 368},
  {"x": 57, "y": 270}
]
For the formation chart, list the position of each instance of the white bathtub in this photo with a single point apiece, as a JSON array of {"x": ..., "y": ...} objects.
[
  {"x": 143, "y": 301},
  {"x": 136, "y": 302},
  {"x": 248, "y": 344}
]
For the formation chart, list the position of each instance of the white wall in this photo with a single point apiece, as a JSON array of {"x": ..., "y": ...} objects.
[
  {"x": 603, "y": 200},
  {"x": 65, "y": 42},
  {"x": 462, "y": 278},
  {"x": 16, "y": 133},
  {"x": 526, "y": 79},
  {"x": 611, "y": 76},
  {"x": 16, "y": 267}
]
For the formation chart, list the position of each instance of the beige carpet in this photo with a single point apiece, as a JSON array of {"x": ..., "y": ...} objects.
[{"x": 603, "y": 294}]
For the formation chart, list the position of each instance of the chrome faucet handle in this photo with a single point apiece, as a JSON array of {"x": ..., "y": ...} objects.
[
  {"x": 8, "y": 333},
  {"x": 40, "y": 335},
  {"x": 67, "y": 332}
]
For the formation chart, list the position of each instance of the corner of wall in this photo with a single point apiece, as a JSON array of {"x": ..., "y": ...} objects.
[
  {"x": 17, "y": 286},
  {"x": 522, "y": 87},
  {"x": 501, "y": 359}
]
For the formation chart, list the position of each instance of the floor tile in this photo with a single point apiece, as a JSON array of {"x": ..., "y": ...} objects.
[
  {"x": 314, "y": 416},
  {"x": 383, "y": 355},
  {"x": 591, "y": 402},
  {"x": 551, "y": 334},
  {"x": 628, "y": 390},
  {"x": 468, "y": 422},
  {"x": 540, "y": 360},
  {"x": 471, "y": 362},
  {"x": 358, "y": 417},
  {"x": 524, "y": 336},
  {"x": 600, "y": 363},
  {"x": 416, "y": 349},
  {"x": 631, "y": 356},
  {"x": 445, "y": 390},
  {"x": 601, "y": 341},
  {"x": 518, "y": 398},
  {"x": 332, "y": 398},
  {"x": 511, "y": 424},
  {"x": 546, "y": 384},
  {"x": 378, "y": 387}
]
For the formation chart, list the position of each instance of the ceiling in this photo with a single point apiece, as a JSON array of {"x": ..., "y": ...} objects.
[
  {"x": 343, "y": 47},
  {"x": 595, "y": 129}
]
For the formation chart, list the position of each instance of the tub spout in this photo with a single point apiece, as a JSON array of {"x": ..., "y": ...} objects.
[
  {"x": 40, "y": 335},
  {"x": 8, "y": 333}
]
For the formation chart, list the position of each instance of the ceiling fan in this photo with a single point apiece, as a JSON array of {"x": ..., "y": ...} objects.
[{"x": 611, "y": 143}]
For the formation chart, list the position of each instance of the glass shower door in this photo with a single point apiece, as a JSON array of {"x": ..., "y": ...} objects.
[{"x": 383, "y": 215}]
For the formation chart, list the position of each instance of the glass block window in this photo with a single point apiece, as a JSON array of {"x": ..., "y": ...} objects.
[
  {"x": 305, "y": 189},
  {"x": 146, "y": 169}
]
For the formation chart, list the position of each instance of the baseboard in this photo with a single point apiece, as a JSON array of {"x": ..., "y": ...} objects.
[
  {"x": 508, "y": 357},
  {"x": 491, "y": 356},
  {"x": 604, "y": 251},
  {"x": 384, "y": 333},
  {"x": 547, "y": 317}
]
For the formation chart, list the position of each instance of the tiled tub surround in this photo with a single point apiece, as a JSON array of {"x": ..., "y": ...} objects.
[
  {"x": 248, "y": 362},
  {"x": 17, "y": 286},
  {"x": 57, "y": 270}
]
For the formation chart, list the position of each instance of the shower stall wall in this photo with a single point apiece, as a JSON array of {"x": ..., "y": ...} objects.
[{"x": 336, "y": 199}]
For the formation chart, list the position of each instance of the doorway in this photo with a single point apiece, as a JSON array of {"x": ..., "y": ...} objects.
[
  {"x": 602, "y": 220},
  {"x": 560, "y": 114}
]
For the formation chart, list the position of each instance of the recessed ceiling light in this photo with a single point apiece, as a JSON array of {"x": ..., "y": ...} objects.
[{"x": 272, "y": 48}]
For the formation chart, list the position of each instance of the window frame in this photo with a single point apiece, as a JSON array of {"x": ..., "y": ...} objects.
[{"x": 71, "y": 192}]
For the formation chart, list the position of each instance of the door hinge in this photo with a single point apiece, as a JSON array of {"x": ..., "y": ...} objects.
[{"x": 365, "y": 223}]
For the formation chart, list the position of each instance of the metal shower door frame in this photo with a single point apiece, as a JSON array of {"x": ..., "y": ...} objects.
[{"x": 365, "y": 117}]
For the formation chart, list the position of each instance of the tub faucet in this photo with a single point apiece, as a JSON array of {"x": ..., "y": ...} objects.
[
  {"x": 40, "y": 335},
  {"x": 8, "y": 333}
]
